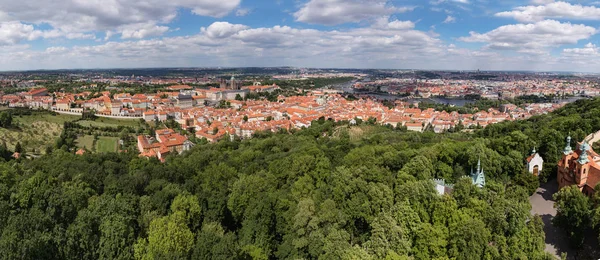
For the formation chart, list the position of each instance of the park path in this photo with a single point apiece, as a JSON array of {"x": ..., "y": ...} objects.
[
  {"x": 556, "y": 239},
  {"x": 543, "y": 204}
]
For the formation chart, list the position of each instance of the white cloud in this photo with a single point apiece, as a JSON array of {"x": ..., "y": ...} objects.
[
  {"x": 56, "y": 50},
  {"x": 543, "y": 34},
  {"x": 225, "y": 44},
  {"x": 140, "y": 31},
  {"x": 107, "y": 35},
  {"x": 223, "y": 29},
  {"x": 449, "y": 19},
  {"x": 437, "y": 2},
  {"x": 587, "y": 57},
  {"x": 334, "y": 12},
  {"x": 242, "y": 12},
  {"x": 400, "y": 25},
  {"x": 84, "y": 16},
  {"x": 590, "y": 50},
  {"x": 212, "y": 8},
  {"x": 15, "y": 32},
  {"x": 553, "y": 10},
  {"x": 541, "y": 2},
  {"x": 130, "y": 31},
  {"x": 385, "y": 23}
]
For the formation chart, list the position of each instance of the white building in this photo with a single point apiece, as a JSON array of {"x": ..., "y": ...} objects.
[
  {"x": 441, "y": 187},
  {"x": 535, "y": 163}
]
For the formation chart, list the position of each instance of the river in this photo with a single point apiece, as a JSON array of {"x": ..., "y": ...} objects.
[
  {"x": 347, "y": 88},
  {"x": 459, "y": 102}
]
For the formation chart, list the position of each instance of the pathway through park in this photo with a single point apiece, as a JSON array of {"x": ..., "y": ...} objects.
[
  {"x": 543, "y": 205},
  {"x": 556, "y": 240}
]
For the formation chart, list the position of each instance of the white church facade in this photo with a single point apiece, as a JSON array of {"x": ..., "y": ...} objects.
[{"x": 535, "y": 163}]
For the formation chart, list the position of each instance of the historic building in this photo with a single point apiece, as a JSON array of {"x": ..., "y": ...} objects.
[
  {"x": 579, "y": 167},
  {"x": 535, "y": 163},
  {"x": 184, "y": 100},
  {"x": 478, "y": 177},
  {"x": 231, "y": 84},
  {"x": 36, "y": 92},
  {"x": 442, "y": 187},
  {"x": 165, "y": 142}
]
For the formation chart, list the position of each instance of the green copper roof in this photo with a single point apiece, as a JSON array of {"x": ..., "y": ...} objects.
[
  {"x": 568, "y": 149},
  {"x": 583, "y": 158},
  {"x": 478, "y": 177}
]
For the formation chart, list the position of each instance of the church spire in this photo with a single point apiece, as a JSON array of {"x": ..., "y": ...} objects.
[
  {"x": 568, "y": 149},
  {"x": 478, "y": 177},
  {"x": 583, "y": 157}
]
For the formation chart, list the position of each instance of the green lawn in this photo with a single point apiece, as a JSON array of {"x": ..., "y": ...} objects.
[
  {"x": 86, "y": 141},
  {"x": 106, "y": 144},
  {"x": 103, "y": 122}
]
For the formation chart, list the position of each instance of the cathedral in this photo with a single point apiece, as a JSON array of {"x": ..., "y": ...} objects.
[
  {"x": 231, "y": 84},
  {"x": 579, "y": 167}
]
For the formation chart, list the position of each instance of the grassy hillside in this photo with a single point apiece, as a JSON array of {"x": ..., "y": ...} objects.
[{"x": 34, "y": 132}]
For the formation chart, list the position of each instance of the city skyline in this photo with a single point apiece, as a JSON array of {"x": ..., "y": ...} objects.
[{"x": 537, "y": 35}]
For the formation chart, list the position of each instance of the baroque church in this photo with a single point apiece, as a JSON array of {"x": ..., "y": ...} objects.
[{"x": 579, "y": 167}]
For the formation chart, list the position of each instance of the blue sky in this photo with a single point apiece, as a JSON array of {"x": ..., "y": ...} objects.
[{"x": 543, "y": 35}]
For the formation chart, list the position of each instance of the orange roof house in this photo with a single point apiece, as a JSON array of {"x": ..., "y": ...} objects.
[
  {"x": 36, "y": 92},
  {"x": 166, "y": 141}
]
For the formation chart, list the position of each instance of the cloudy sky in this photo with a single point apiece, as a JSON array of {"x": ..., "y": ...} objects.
[{"x": 543, "y": 35}]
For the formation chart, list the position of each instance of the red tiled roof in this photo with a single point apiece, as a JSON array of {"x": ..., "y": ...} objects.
[
  {"x": 36, "y": 91},
  {"x": 179, "y": 87},
  {"x": 414, "y": 124}
]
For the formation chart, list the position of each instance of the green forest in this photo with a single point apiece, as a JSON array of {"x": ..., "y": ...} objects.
[{"x": 331, "y": 191}]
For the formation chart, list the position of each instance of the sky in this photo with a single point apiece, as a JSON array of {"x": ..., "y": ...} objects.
[{"x": 536, "y": 35}]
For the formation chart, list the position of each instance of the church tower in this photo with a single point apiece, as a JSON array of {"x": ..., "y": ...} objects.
[
  {"x": 583, "y": 158},
  {"x": 478, "y": 177},
  {"x": 568, "y": 149},
  {"x": 232, "y": 82}
]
